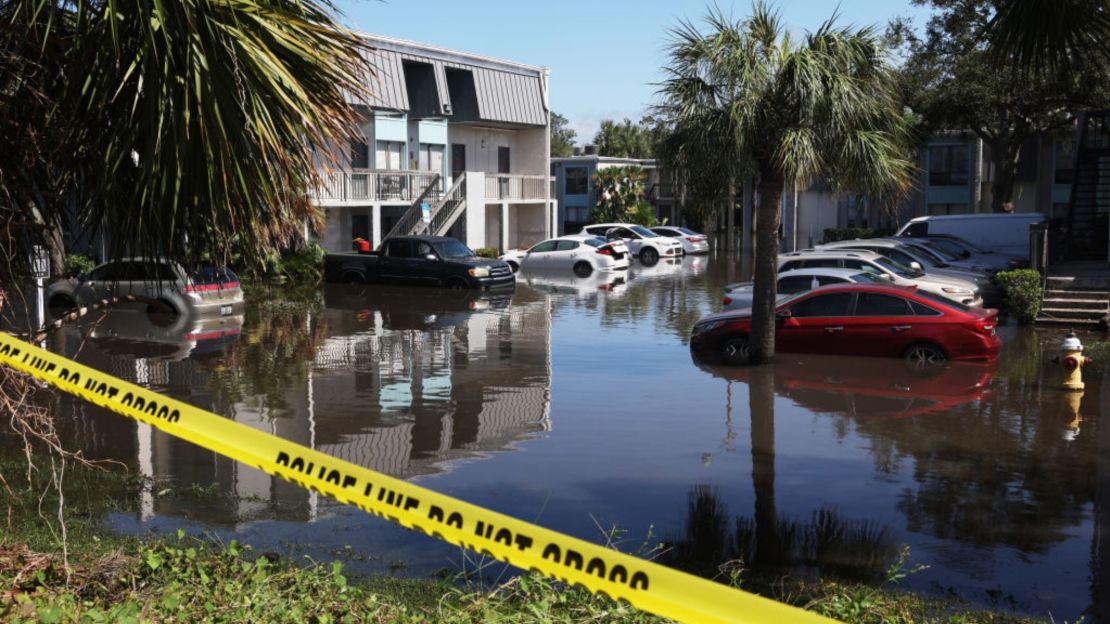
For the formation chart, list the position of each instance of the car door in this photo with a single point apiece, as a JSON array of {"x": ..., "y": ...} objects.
[
  {"x": 881, "y": 325},
  {"x": 815, "y": 324},
  {"x": 421, "y": 265},
  {"x": 96, "y": 285},
  {"x": 630, "y": 238},
  {"x": 392, "y": 260},
  {"x": 566, "y": 254},
  {"x": 539, "y": 256}
]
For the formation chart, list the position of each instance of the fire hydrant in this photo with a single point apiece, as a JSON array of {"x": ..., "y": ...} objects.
[{"x": 1073, "y": 362}]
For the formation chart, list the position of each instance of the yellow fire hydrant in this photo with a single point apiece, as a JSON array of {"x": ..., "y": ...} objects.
[{"x": 1073, "y": 362}]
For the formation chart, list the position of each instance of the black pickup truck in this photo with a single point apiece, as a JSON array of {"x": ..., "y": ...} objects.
[{"x": 426, "y": 260}]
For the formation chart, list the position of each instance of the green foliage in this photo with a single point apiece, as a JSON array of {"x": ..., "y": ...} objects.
[
  {"x": 175, "y": 126},
  {"x": 1100, "y": 353},
  {"x": 486, "y": 252},
  {"x": 1022, "y": 292},
  {"x": 624, "y": 140},
  {"x": 620, "y": 196},
  {"x": 562, "y": 136},
  {"x": 76, "y": 264},
  {"x": 301, "y": 265},
  {"x": 852, "y": 233}
]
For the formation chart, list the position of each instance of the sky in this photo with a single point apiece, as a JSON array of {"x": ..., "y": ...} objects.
[{"x": 604, "y": 55}]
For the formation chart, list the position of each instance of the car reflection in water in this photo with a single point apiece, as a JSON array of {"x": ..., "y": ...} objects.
[
  {"x": 567, "y": 283},
  {"x": 134, "y": 333},
  {"x": 865, "y": 388}
]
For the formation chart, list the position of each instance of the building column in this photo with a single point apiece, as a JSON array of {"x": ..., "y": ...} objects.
[
  {"x": 553, "y": 219},
  {"x": 504, "y": 226},
  {"x": 375, "y": 225}
]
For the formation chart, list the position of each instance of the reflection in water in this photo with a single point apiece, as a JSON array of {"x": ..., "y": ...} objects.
[{"x": 995, "y": 480}]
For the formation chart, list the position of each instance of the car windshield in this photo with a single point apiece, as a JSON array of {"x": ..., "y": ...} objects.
[
  {"x": 688, "y": 232},
  {"x": 954, "y": 250},
  {"x": 453, "y": 249},
  {"x": 925, "y": 247},
  {"x": 941, "y": 300},
  {"x": 928, "y": 256},
  {"x": 643, "y": 231},
  {"x": 210, "y": 274},
  {"x": 898, "y": 269},
  {"x": 871, "y": 277}
]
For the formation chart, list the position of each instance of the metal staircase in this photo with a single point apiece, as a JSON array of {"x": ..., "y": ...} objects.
[
  {"x": 414, "y": 216},
  {"x": 1089, "y": 205},
  {"x": 448, "y": 210}
]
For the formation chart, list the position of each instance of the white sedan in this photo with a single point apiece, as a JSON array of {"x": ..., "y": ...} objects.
[
  {"x": 583, "y": 254},
  {"x": 790, "y": 283},
  {"x": 692, "y": 242},
  {"x": 646, "y": 245}
]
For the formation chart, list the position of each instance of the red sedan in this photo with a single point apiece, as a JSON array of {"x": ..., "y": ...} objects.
[{"x": 860, "y": 319}]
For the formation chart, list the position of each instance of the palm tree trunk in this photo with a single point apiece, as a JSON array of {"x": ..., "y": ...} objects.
[
  {"x": 1005, "y": 156},
  {"x": 765, "y": 271}
]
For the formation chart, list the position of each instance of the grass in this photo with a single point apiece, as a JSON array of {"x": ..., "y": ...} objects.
[
  {"x": 1100, "y": 353},
  {"x": 104, "y": 577}
]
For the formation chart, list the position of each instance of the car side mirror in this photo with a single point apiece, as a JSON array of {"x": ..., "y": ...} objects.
[
  {"x": 784, "y": 314},
  {"x": 916, "y": 266},
  {"x": 431, "y": 257}
]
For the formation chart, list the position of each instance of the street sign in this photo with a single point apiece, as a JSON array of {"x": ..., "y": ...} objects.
[{"x": 40, "y": 262}]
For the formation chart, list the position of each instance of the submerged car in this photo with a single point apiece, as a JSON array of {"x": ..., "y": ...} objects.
[
  {"x": 209, "y": 291},
  {"x": 692, "y": 242},
  {"x": 790, "y": 283},
  {"x": 860, "y": 319},
  {"x": 646, "y": 245},
  {"x": 581, "y": 253}
]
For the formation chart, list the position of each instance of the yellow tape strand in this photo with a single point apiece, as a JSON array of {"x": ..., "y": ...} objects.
[{"x": 648, "y": 586}]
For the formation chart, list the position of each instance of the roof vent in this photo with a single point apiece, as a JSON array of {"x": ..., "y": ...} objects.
[{"x": 590, "y": 150}]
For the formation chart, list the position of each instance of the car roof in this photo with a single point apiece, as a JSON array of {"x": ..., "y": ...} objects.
[
  {"x": 884, "y": 242},
  {"x": 979, "y": 215},
  {"x": 820, "y": 272},
  {"x": 835, "y": 253},
  {"x": 628, "y": 225}
]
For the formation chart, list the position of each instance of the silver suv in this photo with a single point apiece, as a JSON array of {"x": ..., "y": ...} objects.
[
  {"x": 958, "y": 290},
  {"x": 209, "y": 291}
]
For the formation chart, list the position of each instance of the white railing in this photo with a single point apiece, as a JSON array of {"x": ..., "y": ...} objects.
[
  {"x": 512, "y": 186},
  {"x": 344, "y": 185}
]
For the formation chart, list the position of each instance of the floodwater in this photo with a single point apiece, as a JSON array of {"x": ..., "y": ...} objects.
[{"x": 575, "y": 403}]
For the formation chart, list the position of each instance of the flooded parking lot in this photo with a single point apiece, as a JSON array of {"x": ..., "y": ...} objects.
[{"x": 575, "y": 403}]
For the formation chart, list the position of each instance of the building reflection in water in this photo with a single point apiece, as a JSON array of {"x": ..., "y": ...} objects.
[{"x": 403, "y": 381}]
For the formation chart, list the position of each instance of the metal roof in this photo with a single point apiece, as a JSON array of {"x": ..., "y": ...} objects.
[{"x": 505, "y": 92}]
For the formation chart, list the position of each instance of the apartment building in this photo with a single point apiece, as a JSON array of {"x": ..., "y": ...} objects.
[
  {"x": 576, "y": 191},
  {"x": 451, "y": 143}
]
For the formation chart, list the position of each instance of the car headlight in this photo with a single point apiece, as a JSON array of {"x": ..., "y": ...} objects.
[
  {"x": 702, "y": 328},
  {"x": 482, "y": 271},
  {"x": 956, "y": 291}
]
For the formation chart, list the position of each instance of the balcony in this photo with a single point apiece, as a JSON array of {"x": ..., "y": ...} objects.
[
  {"x": 518, "y": 188},
  {"x": 372, "y": 185}
]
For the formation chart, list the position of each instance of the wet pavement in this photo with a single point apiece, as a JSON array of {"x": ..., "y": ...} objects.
[{"x": 575, "y": 403}]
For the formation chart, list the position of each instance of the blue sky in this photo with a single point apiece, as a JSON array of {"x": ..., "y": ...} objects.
[{"x": 604, "y": 55}]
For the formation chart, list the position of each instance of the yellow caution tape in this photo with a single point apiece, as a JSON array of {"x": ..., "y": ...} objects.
[{"x": 648, "y": 586}]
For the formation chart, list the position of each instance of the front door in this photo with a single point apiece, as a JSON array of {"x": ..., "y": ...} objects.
[
  {"x": 503, "y": 158},
  {"x": 422, "y": 268},
  {"x": 360, "y": 227},
  {"x": 458, "y": 159},
  {"x": 816, "y": 324}
]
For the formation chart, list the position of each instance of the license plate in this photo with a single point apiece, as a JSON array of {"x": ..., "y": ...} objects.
[{"x": 225, "y": 310}]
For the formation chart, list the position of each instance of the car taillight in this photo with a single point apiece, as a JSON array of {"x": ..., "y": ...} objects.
[
  {"x": 985, "y": 326},
  {"x": 605, "y": 251},
  {"x": 726, "y": 301},
  {"x": 692, "y": 239}
]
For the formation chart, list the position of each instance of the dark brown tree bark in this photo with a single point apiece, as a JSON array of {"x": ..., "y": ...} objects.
[
  {"x": 765, "y": 272},
  {"x": 1004, "y": 157}
]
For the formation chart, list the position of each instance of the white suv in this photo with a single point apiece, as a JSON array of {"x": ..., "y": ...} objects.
[
  {"x": 958, "y": 290},
  {"x": 648, "y": 246}
]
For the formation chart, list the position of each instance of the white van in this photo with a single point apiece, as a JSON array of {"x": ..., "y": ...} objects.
[{"x": 1000, "y": 233}]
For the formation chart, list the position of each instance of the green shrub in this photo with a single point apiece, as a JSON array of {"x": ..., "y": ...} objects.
[
  {"x": 1100, "y": 353},
  {"x": 851, "y": 233},
  {"x": 77, "y": 264},
  {"x": 486, "y": 252},
  {"x": 1022, "y": 291}
]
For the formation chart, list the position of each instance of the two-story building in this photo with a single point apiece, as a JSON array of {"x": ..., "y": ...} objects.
[
  {"x": 451, "y": 143},
  {"x": 576, "y": 190}
]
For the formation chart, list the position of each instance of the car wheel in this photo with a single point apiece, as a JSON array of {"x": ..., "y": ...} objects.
[
  {"x": 162, "y": 314},
  {"x": 924, "y": 355},
  {"x": 514, "y": 267},
  {"x": 457, "y": 283},
  {"x": 353, "y": 278},
  {"x": 649, "y": 256},
  {"x": 583, "y": 269},
  {"x": 736, "y": 350}
]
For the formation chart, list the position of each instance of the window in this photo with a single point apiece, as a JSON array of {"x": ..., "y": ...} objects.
[
  {"x": 577, "y": 181},
  {"x": 796, "y": 284},
  {"x": 398, "y": 248},
  {"x": 360, "y": 154},
  {"x": 544, "y": 247},
  {"x": 390, "y": 155},
  {"x": 821, "y": 263},
  {"x": 900, "y": 256},
  {"x": 948, "y": 165},
  {"x": 921, "y": 228},
  {"x": 423, "y": 249},
  {"x": 577, "y": 214},
  {"x": 836, "y": 304},
  {"x": 1064, "y": 152},
  {"x": 825, "y": 280},
  {"x": 921, "y": 309},
  {"x": 621, "y": 233},
  {"x": 458, "y": 159},
  {"x": 947, "y": 209},
  {"x": 566, "y": 245},
  {"x": 874, "y": 304},
  {"x": 453, "y": 249},
  {"x": 596, "y": 242},
  {"x": 790, "y": 266},
  {"x": 503, "y": 159},
  {"x": 431, "y": 157}
]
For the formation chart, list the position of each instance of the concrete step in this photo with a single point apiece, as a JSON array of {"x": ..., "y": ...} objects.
[
  {"x": 1070, "y": 322},
  {"x": 1084, "y": 284},
  {"x": 1074, "y": 313},
  {"x": 1078, "y": 295},
  {"x": 1098, "y": 305}
]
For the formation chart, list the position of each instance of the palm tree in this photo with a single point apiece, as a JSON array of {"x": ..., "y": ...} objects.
[
  {"x": 745, "y": 98},
  {"x": 185, "y": 128},
  {"x": 1051, "y": 35}
]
